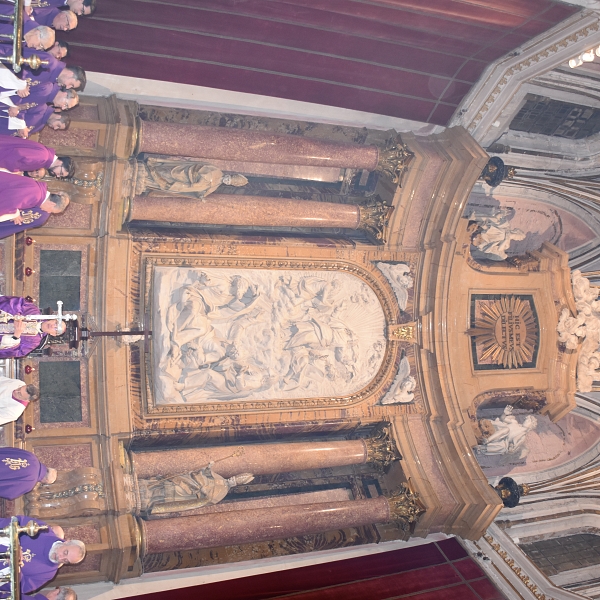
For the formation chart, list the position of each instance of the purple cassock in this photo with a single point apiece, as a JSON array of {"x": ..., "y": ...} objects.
[
  {"x": 46, "y": 73},
  {"x": 38, "y": 94},
  {"x": 26, "y": 195},
  {"x": 38, "y": 569},
  {"x": 8, "y": 228},
  {"x": 7, "y": 28},
  {"x": 19, "y": 472},
  {"x": 16, "y": 305},
  {"x": 45, "y": 16},
  {"x": 17, "y": 154},
  {"x": 35, "y": 118}
]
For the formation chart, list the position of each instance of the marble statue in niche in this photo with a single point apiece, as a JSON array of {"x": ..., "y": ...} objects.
[
  {"x": 223, "y": 334},
  {"x": 507, "y": 435},
  {"x": 188, "y": 177},
  {"x": 400, "y": 279},
  {"x": 187, "y": 491},
  {"x": 492, "y": 234},
  {"x": 403, "y": 388}
]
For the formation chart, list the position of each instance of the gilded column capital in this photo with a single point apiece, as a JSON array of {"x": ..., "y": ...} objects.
[
  {"x": 394, "y": 159},
  {"x": 381, "y": 449},
  {"x": 374, "y": 216},
  {"x": 405, "y": 506}
]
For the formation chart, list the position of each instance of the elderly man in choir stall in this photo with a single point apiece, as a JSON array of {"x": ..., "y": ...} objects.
[
  {"x": 43, "y": 555},
  {"x": 26, "y": 203},
  {"x": 35, "y": 36},
  {"x": 59, "y": 20},
  {"x": 18, "y": 336},
  {"x": 21, "y": 471}
]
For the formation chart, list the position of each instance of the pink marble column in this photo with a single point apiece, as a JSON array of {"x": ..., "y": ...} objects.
[
  {"x": 259, "y": 525},
  {"x": 258, "y": 459},
  {"x": 230, "y": 209},
  {"x": 224, "y": 143}
]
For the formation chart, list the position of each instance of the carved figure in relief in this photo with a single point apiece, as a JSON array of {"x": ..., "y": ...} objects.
[
  {"x": 400, "y": 280},
  {"x": 179, "y": 493},
  {"x": 509, "y": 435},
  {"x": 582, "y": 331},
  {"x": 192, "y": 178},
  {"x": 229, "y": 334},
  {"x": 402, "y": 390}
]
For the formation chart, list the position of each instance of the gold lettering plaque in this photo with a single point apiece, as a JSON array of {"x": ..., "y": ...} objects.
[{"x": 504, "y": 331}]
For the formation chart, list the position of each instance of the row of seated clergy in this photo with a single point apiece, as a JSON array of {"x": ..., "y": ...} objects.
[
  {"x": 20, "y": 472},
  {"x": 36, "y": 95},
  {"x": 26, "y": 202}
]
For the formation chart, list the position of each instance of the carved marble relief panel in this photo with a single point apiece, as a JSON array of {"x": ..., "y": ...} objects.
[
  {"x": 256, "y": 334},
  {"x": 247, "y": 334}
]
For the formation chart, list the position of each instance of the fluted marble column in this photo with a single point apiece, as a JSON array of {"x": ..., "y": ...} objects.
[
  {"x": 224, "y": 143},
  {"x": 258, "y": 459},
  {"x": 230, "y": 209},
  {"x": 259, "y": 525}
]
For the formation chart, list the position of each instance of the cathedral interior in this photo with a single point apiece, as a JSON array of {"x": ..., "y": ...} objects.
[{"x": 336, "y": 273}]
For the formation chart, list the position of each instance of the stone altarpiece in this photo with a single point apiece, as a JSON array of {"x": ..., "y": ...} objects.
[{"x": 300, "y": 289}]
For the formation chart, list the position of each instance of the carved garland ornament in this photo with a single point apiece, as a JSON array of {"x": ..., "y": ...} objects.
[{"x": 516, "y": 570}]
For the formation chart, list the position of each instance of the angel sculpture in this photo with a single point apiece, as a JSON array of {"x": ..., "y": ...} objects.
[
  {"x": 402, "y": 390},
  {"x": 400, "y": 279},
  {"x": 509, "y": 435}
]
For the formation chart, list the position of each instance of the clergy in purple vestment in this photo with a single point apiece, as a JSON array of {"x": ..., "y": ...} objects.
[
  {"x": 61, "y": 20},
  {"x": 46, "y": 73},
  {"x": 19, "y": 338},
  {"x": 26, "y": 203},
  {"x": 79, "y": 7},
  {"x": 43, "y": 555},
  {"x": 20, "y": 471},
  {"x": 17, "y": 154}
]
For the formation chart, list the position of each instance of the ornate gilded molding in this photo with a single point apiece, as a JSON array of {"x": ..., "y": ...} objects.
[
  {"x": 532, "y": 587},
  {"x": 406, "y": 332},
  {"x": 405, "y": 507},
  {"x": 374, "y": 217},
  {"x": 394, "y": 159},
  {"x": 381, "y": 448}
]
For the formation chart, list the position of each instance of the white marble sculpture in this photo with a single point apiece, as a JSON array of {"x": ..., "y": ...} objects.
[
  {"x": 509, "y": 435},
  {"x": 402, "y": 390},
  {"x": 400, "y": 280},
  {"x": 494, "y": 234},
  {"x": 582, "y": 331},
  {"x": 224, "y": 334}
]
